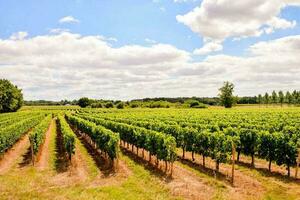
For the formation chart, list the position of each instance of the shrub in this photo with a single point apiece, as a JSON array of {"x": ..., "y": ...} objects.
[
  {"x": 200, "y": 105},
  {"x": 109, "y": 105},
  {"x": 120, "y": 105}
]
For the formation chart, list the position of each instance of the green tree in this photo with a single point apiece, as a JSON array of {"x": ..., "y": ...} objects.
[
  {"x": 288, "y": 98},
  {"x": 226, "y": 95},
  {"x": 274, "y": 97},
  {"x": 295, "y": 96},
  {"x": 281, "y": 97},
  {"x": 84, "y": 102},
  {"x": 11, "y": 98},
  {"x": 298, "y": 98},
  {"x": 266, "y": 99},
  {"x": 259, "y": 99}
]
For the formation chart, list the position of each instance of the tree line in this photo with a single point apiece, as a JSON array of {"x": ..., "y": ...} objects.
[
  {"x": 11, "y": 99},
  {"x": 279, "y": 98}
]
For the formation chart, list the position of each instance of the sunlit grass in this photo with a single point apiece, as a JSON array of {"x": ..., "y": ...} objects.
[
  {"x": 30, "y": 183},
  {"x": 91, "y": 165}
]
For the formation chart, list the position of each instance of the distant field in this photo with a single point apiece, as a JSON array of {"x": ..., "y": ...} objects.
[
  {"x": 48, "y": 108},
  {"x": 268, "y": 105},
  {"x": 150, "y": 153}
]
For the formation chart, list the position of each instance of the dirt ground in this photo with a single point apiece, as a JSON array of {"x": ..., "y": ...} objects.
[{"x": 11, "y": 156}]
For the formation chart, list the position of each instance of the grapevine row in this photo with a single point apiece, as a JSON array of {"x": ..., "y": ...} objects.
[
  {"x": 106, "y": 140},
  {"x": 216, "y": 145},
  {"x": 68, "y": 136},
  {"x": 11, "y": 134},
  {"x": 13, "y": 119},
  {"x": 274, "y": 143},
  {"x": 158, "y": 144},
  {"x": 37, "y": 136}
]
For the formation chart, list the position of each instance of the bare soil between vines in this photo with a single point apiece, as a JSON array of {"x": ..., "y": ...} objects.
[{"x": 11, "y": 156}]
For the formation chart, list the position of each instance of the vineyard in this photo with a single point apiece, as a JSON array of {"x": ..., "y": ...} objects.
[{"x": 73, "y": 153}]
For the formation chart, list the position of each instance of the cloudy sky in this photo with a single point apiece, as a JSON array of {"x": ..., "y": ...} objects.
[{"x": 126, "y": 49}]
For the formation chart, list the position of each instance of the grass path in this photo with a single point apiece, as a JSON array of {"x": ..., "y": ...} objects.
[
  {"x": 52, "y": 143},
  {"x": 91, "y": 166},
  {"x": 44, "y": 154}
]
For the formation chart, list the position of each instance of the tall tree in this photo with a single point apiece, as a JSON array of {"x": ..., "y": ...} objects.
[
  {"x": 226, "y": 94},
  {"x": 295, "y": 96},
  {"x": 298, "y": 98},
  {"x": 274, "y": 97},
  {"x": 266, "y": 99},
  {"x": 259, "y": 99},
  {"x": 281, "y": 97},
  {"x": 255, "y": 99},
  {"x": 288, "y": 98},
  {"x": 11, "y": 97}
]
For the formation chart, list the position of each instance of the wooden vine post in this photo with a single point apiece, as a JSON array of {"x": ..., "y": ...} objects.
[
  {"x": 70, "y": 154},
  {"x": 32, "y": 153},
  {"x": 116, "y": 164},
  {"x": 233, "y": 162},
  {"x": 297, "y": 164}
]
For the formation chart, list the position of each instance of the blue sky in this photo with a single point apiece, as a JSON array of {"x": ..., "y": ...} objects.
[
  {"x": 130, "y": 21},
  {"x": 147, "y": 23}
]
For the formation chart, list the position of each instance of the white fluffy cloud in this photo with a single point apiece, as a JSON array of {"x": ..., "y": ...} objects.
[
  {"x": 181, "y": 1},
  {"x": 68, "y": 19},
  {"x": 292, "y": 2},
  {"x": 209, "y": 47},
  {"x": 148, "y": 40},
  {"x": 75, "y": 65},
  {"x": 19, "y": 35},
  {"x": 221, "y": 19},
  {"x": 68, "y": 65},
  {"x": 58, "y": 30}
]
